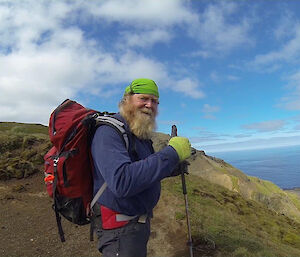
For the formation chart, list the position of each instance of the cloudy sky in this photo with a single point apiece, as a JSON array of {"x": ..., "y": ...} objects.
[{"x": 228, "y": 71}]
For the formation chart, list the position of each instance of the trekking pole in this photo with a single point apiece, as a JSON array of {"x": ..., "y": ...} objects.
[{"x": 190, "y": 242}]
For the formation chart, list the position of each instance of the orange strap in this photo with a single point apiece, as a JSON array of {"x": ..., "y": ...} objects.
[{"x": 49, "y": 178}]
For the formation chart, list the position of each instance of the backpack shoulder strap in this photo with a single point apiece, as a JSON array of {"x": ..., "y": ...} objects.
[
  {"x": 98, "y": 194},
  {"x": 120, "y": 128},
  {"x": 114, "y": 123}
]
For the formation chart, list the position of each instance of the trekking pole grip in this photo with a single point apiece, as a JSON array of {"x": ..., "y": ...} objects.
[
  {"x": 174, "y": 134},
  {"x": 174, "y": 131}
]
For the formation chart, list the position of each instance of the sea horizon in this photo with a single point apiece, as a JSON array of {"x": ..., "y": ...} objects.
[{"x": 280, "y": 165}]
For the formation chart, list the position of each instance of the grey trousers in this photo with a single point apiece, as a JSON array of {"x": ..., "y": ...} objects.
[{"x": 128, "y": 241}]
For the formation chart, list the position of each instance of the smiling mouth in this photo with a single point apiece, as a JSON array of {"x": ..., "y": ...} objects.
[{"x": 147, "y": 113}]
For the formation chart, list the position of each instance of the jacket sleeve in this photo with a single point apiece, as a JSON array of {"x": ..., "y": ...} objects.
[{"x": 124, "y": 177}]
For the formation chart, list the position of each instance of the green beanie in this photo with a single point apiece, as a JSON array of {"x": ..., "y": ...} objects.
[{"x": 142, "y": 86}]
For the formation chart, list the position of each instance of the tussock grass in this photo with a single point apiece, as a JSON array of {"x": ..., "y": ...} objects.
[{"x": 22, "y": 147}]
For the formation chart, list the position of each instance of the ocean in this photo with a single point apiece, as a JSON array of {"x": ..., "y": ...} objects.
[{"x": 278, "y": 165}]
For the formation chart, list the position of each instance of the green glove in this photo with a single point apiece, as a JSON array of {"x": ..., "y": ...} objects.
[{"x": 182, "y": 146}]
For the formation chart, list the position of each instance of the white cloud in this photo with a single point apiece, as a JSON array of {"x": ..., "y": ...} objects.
[
  {"x": 259, "y": 143},
  {"x": 241, "y": 136},
  {"x": 232, "y": 78},
  {"x": 214, "y": 76},
  {"x": 206, "y": 136},
  {"x": 42, "y": 62},
  {"x": 286, "y": 23},
  {"x": 209, "y": 111},
  {"x": 296, "y": 118},
  {"x": 146, "y": 13},
  {"x": 201, "y": 53},
  {"x": 291, "y": 101},
  {"x": 219, "y": 77},
  {"x": 152, "y": 21},
  {"x": 216, "y": 31},
  {"x": 187, "y": 86},
  {"x": 39, "y": 80},
  {"x": 144, "y": 38},
  {"x": 289, "y": 52},
  {"x": 46, "y": 56},
  {"x": 131, "y": 65},
  {"x": 287, "y": 33},
  {"x": 265, "y": 126}
]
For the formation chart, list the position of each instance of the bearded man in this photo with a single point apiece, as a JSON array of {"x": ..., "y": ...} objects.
[{"x": 132, "y": 175}]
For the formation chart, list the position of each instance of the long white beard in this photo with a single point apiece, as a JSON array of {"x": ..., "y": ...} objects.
[{"x": 141, "y": 121}]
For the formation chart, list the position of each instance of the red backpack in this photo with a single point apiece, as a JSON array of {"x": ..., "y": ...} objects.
[{"x": 68, "y": 164}]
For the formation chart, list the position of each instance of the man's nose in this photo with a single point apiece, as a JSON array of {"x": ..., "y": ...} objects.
[{"x": 149, "y": 103}]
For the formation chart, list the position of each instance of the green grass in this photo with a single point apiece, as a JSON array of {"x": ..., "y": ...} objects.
[
  {"x": 235, "y": 183},
  {"x": 237, "y": 226},
  {"x": 22, "y": 147},
  {"x": 265, "y": 187},
  {"x": 25, "y": 128},
  {"x": 294, "y": 198}
]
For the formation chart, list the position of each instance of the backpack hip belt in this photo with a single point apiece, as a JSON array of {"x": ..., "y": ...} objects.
[
  {"x": 112, "y": 219},
  {"x": 123, "y": 217}
]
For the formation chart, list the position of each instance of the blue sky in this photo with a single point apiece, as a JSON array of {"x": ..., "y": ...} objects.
[{"x": 228, "y": 71}]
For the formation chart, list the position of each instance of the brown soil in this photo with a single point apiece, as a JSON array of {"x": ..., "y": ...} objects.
[{"x": 28, "y": 226}]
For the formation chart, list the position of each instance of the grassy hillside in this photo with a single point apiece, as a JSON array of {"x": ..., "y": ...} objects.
[
  {"x": 232, "y": 214},
  {"x": 243, "y": 215},
  {"x": 23, "y": 128},
  {"x": 226, "y": 224},
  {"x": 22, "y": 147},
  {"x": 251, "y": 188}
]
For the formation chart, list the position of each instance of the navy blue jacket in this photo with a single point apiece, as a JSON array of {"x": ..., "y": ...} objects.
[{"x": 133, "y": 182}]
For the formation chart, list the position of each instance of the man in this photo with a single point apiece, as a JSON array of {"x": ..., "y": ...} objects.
[{"x": 133, "y": 176}]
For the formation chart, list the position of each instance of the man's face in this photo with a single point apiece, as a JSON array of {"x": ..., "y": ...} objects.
[
  {"x": 140, "y": 111},
  {"x": 147, "y": 104}
]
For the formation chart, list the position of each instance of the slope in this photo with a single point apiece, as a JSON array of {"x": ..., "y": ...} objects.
[{"x": 227, "y": 217}]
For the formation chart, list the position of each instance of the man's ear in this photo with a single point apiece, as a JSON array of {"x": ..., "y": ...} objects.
[{"x": 128, "y": 97}]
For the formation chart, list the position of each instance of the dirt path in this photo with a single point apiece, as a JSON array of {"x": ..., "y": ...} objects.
[{"x": 28, "y": 226}]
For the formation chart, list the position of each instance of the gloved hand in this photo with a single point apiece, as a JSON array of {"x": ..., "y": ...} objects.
[
  {"x": 182, "y": 146},
  {"x": 179, "y": 168}
]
